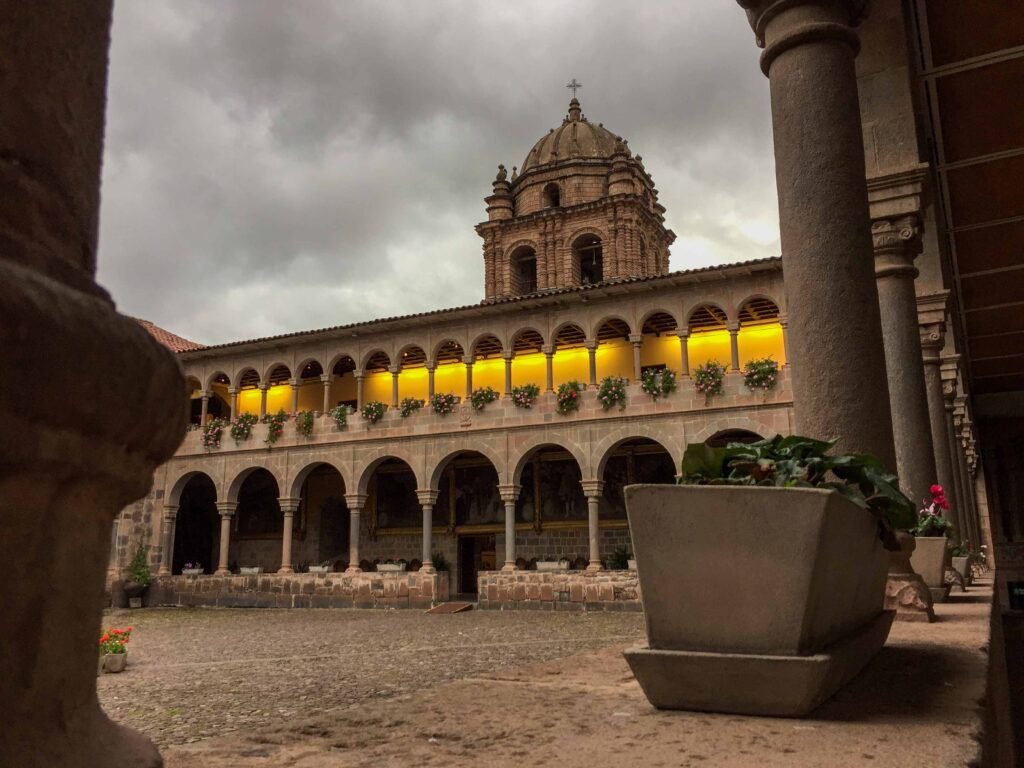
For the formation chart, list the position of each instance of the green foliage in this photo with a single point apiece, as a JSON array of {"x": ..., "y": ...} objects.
[
  {"x": 138, "y": 568},
  {"x": 304, "y": 423},
  {"x": 373, "y": 411},
  {"x": 212, "y": 433},
  {"x": 241, "y": 428},
  {"x": 802, "y": 462},
  {"x": 658, "y": 383},
  {"x": 439, "y": 561},
  {"x": 611, "y": 392},
  {"x": 932, "y": 525},
  {"x": 708, "y": 378},
  {"x": 443, "y": 403},
  {"x": 410, "y": 405},
  {"x": 760, "y": 373},
  {"x": 619, "y": 559},
  {"x": 275, "y": 426},
  {"x": 340, "y": 415},
  {"x": 569, "y": 396},
  {"x": 525, "y": 395},
  {"x": 482, "y": 397}
]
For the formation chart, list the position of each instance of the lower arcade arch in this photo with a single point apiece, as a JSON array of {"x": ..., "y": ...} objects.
[
  {"x": 257, "y": 524},
  {"x": 320, "y": 534},
  {"x": 197, "y": 526},
  {"x": 638, "y": 460}
]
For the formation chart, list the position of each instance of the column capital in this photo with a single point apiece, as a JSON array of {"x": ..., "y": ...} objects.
[
  {"x": 395, "y": 369},
  {"x": 509, "y": 492},
  {"x": 262, "y": 386},
  {"x": 590, "y": 344},
  {"x": 933, "y": 339},
  {"x": 931, "y": 308},
  {"x": 592, "y": 488},
  {"x": 683, "y": 333},
  {"x": 834, "y": 22},
  {"x": 326, "y": 378},
  {"x": 293, "y": 383},
  {"x": 430, "y": 365},
  {"x": 783, "y": 320},
  {"x": 508, "y": 355},
  {"x": 468, "y": 359},
  {"x": 170, "y": 512},
  {"x": 226, "y": 508},
  {"x": 359, "y": 373},
  {"x": 205, "y": 394},
  {"x": 548, "y": 349},
  {"x": 233, "y": 390},
  {"x": 636, "y": 338},
  {"x": 289, "y": 505},
  {"x": 896, "y": 242},
  {"x": 733, "y": 327},
  {"x": 427, "y": 496},
  {"x": 355, "y": 501},
  {"x": 948, "y": 368}
]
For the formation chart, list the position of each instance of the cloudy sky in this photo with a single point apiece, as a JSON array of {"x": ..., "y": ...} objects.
[{"x": 274, "y": 167}]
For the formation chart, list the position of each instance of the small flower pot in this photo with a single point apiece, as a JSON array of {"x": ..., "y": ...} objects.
[
  {"x": 390, "y": 567},
  {"x": 631, "y": 564},
  {"x": 192, "y": 571},
  {"x": 251, "y": 570},
  {"x": 962, "y": 565},
  {"x": 134, "y": 602},
  {"x": 550, "y": 565},
  {"x": 114, "y": 662},
  {"x": 318, "y": 569},
  {"x": 930, "y": 557}
]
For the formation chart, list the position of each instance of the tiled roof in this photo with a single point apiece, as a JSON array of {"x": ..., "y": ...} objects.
[
  {"x": 735, "y": 267},
  {"x": 170, "y": 340}
]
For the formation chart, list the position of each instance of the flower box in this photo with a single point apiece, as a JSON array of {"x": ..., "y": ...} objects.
[
  {"x": 390, "y": 567},
  {"x": 551, "y": 565},
  {"x": 318, "y": 569},
  {"x": 631, "y": 564},
  {"x": 795, "y": 614},
  {"x": 254, "y": 570},
  {"x": 192, "y": 571}
]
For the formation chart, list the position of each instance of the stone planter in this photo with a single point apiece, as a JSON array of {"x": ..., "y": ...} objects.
[
  {"x": 930, "y": 557},
  {"x": 134, "y": 592},
  {"x": 192, "y": 571},
  {"x": 793, "y": 612},
  {"x": 631, "y": 564},
  {"x": 962, "y": 565},
  {"x": 255, "y": 570},
  {"x": 113, "y": 662},
  {"x": 318, "y": 569},
  {"x": 390, "y": 567},
  {"x": 549, "y": 565}
]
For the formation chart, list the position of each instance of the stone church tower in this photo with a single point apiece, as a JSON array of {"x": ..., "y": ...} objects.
[{"x": 582, "y": 210}]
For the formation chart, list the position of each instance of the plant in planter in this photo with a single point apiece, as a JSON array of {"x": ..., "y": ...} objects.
[
  {"x": 409, "y": 406},
  {"x": 373, "y": 411},
  {"x": 139, "y": 577},
  {"x": 440, "y": 561},
  {"x": 619, "y": 559},
  {"x": 611, "y": 392},
  {"x": 443, "y": 403},
  {"x": 241, "y": 428},
  {"x": 709, "y": 377},
  {"x": 114, "y": 649},
  {"x": 212, "y": 433},
  {"x": 962, "y": 556},
  {"x": 779, "y": 511},
  {"x": 760, "y": 373},
  {"x": 192, "y": 569},
  {"x": 304, "y": 423},
  {"x": 275, "y": 426},
  {"x": 568, "y": 397},
  {"x": 549, "y": 563},
  {"x": 340, "y": 415},
  {"x": 658, "y": 383},
  {"x": 482, "y": 397},
  {"x": 525, "y": 396},
  {"x": 931, "y": 551}
]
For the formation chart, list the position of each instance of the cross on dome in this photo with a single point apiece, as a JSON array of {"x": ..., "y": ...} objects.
[{"x": 573, "y": 85}]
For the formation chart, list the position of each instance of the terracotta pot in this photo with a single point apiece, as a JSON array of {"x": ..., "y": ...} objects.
[{"x": 930, "y": 558}]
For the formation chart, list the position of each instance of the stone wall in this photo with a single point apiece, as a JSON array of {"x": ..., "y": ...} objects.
[
  {"x": 560, "y": 591},
  {"x": 302, "y": 590},
  {"x": 569, "y": 543}
]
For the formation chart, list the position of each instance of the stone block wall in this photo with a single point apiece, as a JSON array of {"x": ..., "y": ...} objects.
[
  {"x": 302, "y": 590},
  {"x": 560, "y": 591},
  {"x": 564, "y": 542}
]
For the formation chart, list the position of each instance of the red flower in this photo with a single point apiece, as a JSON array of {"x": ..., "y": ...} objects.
[
  {"x": 936, "y": 490},
  {"x": 104, "y": 638}
]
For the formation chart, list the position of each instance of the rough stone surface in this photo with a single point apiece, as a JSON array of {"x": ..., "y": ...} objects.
[{"x": 560, "y": 590}]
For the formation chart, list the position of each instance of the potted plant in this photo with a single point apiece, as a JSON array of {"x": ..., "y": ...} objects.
[
  {"x": 319, "y": 568},
  {"x": 250, "y": 570},
  {"x": 611, "y": 392},
  {"x": 139, "y": 577},
  {"x": 709, "y": 379},
  {"x": 800, "y": 612},
  {"x": 525, "y": 396},
  {"x": 961, "y": 556},
  {"x": 409, "y": 406},
  {"x": 443, "y": 403},
  {"x": 373, "y": 411},
  {"x": 114, "y": 650},
  {"x": 568, "y": 397},
  {"x": 760, "y": 374},
  {"x": 304, "y": 421},
  {"x": 192, "y": 569},
  {"x": 340, "y": 415},
  {"x": 391, "y": 566},
  {"x": 482, "y": 397},
  {"x": 549, "y": 563},
  {"x": 439, "y": 561},
  {"x": 931, "y": 553},
  {"x": 658, "y": 382}
]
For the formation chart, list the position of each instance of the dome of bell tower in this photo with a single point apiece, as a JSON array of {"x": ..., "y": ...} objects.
[{"x": 575, "y": 139}]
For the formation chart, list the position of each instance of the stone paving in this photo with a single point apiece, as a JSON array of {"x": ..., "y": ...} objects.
[{"x": 197, "y": 673}]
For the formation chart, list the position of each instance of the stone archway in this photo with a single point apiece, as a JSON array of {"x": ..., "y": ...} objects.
[{"x": 197, "y": 525}]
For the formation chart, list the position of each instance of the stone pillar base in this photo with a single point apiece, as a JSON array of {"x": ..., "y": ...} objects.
[
  {"x": 509, "y": 567},
  {"x": 595, "y": 567},
  {"x": 907, "y": 594},
  {"x": 353, "y": 569}
]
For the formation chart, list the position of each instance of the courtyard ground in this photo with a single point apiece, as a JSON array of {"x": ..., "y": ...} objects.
[{"x": 312, "y": 689}]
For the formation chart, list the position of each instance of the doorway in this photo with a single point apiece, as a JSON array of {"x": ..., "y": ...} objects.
[{"x": 476, "y": 553}]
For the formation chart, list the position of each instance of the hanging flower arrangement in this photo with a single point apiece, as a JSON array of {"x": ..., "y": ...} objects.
[
  {"x": 568, "y": 397},
  {"x": 410, "y": 405},
  {"x": 525, "y": 395},
  {"x": 760, "y": 373},
  {"x": 304, "y": 423},
  {"x": 212, "y": 433},
  {"x": 275, "y": 426},
  {"x": 482, "y": 397},
  {"x": 611, "y": 392},
  {"x": 340, "y": 415},
  {"x": 241, "y": 428},
  {"x": 708, "y": 378},
  {"x": 373, "y": 411},
  {"x": 443, "y": 403},
  {"x": 658, "y": 383}
]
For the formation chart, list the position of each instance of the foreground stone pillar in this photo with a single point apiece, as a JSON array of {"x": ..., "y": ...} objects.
[
  {"x": 508, "y": 373},
  {"x": 233, "y": 393},
  {"x": 430, "y": 380},
  {"x": 468, "y": 362},
  {"x": 204, "y": 406},
  {"x": 167, "y": 539},
  {"x": 684, "y": 353},
  {"x": 549, "y": 356},
  {"x": 226, "y": 510},
  {"x": 637, "y": 341},
  {"x": 359, "y": 389},
  {"x": 294, "y": 384},
  {"x": 263, "y": 400},
  {"x": 355, "y": 502},
  {"x": 734, "y": 348},
  {"x": 325, "y": 379},
  {"x": 835, "y": 339},
  {"x": 65, "y": 476},
  {"x": 428, "y": 499},
  {"x": 948, "y": 371},
  {"x": 509, "y": 495},
  {"x": 592, "y": 359},
  {"x": 289, "y": 506},
  {"x": 931, "y": 317},
  {"x": 593, "y": 489},
  {"x": 395, "y": 370}
]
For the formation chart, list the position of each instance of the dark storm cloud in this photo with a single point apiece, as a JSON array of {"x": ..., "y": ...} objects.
[{"x": 273, "y": 167}]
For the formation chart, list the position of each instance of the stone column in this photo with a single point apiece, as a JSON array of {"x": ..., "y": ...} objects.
[
  {"x": 508, "y": 372},
  {"x": 289, "y": 506},
  {"x": 549, "y": 355},
  {"x": 167, "y": 539},
  {"x": 326, "y": 379},
  {"x": 395, "y": 370},
  {"x": 637, "y": 341},
  {"x": 684, "y": 353},
  {"x": 67, "y": 472},
  {"x": 838, "y": 372},
  {"x": 468, "y": 361},
  {"x": 294, "y": 384},
  {"x": 355, "y": 502},
  {"x": 784, "y": 325},
  {"x": 226, "y": 509},
  {"x": 897, "y": 242},
  {"x": 204, "y": 406},
  {"x": 430, "y": 380},
  {"x": 233, "y": 393},
  {"x": 428, "y": 499},
  {"x": 734, "y": 347},
  {"x": 931, "y": 316},
  {"x": 593, "y": 489},
  {"x": 971, "y": 531},
  {"x": 263, "y": 400},
  {"x": 948, "y": 371},
  {"x": 509, "y": 495},
  {"x": 359, "y": 376},
  {"x": 592, "y": 354}
]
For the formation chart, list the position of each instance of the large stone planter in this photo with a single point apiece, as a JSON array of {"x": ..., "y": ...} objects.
[
  {"x": 759, "y": 601},
  {"x": 962, "y": 565},
  {"x": 931, "y": 555}
]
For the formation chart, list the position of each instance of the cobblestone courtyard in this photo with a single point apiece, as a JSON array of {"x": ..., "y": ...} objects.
[{"x": 194, "y": 674}]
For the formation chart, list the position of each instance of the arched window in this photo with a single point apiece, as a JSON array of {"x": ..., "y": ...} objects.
[
  {"x": 552, "y": 196},
  {"x": 524, "y": 271},
  {"x": 588, "y": 258}
]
